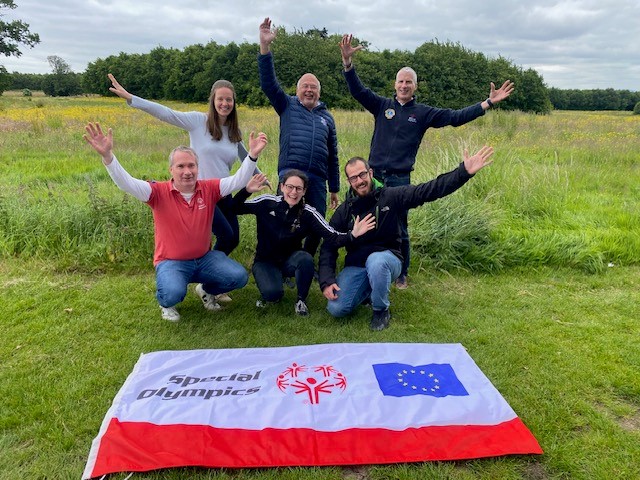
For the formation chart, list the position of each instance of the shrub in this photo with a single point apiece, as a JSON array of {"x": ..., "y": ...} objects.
[{"x": 636, "y": 109}]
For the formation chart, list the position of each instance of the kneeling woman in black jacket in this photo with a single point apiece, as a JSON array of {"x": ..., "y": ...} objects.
[{"x": 283, "y": 221}]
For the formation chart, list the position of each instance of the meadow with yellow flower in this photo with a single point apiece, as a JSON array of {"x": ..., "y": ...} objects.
[{"x": 534, "y": 267}]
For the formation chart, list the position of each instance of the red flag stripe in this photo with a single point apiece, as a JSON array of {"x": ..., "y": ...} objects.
[{"x": 139, "y": 446}]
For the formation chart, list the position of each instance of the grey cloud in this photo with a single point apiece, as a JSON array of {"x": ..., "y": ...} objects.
[{"x": 572, "y": 43}]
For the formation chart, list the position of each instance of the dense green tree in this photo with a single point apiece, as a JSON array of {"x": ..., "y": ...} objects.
[
  {"x": 532, "y": 93},
  {"x": 20, "y": 81},
  {"x": 12, "y": 35},
  {"x": 62, "y": 82},
  {"x": 449, "y": 75},
  {"x": 157, "y": 65},
  {"x": 15, "y": 33},
  {"x": 245, "y": 80}
]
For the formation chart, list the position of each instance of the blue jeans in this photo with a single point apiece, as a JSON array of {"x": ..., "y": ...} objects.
[
  {"x": 269, "y": 276},
  {"x": 225, "y": 226},
  {"x": 217, "y": 273},
  {"x": 396, "y": 180},
  {"x": 373, "y": 281},
  {"x": 316, "y": 196}
]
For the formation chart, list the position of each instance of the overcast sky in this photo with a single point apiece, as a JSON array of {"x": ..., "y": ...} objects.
[{"x": 572, "y": 44}]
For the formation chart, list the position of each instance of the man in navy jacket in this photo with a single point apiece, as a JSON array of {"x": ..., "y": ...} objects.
[
  {"x": 374, "y": 260},
  {"x": 308, "y": 140},
  {"x": 400, "y": 124}
]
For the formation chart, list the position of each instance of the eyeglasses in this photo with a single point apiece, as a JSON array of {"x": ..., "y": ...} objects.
[
  {"x": 362, "y": 175},
  {"x": 290, "y": 188}
]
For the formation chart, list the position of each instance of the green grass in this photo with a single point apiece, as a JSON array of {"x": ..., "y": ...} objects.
[
  {"x": 560, "y": 345},
  {"x": 515, "y": 266}
]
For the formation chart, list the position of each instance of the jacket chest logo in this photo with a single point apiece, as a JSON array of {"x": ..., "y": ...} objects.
[
  {"x": 323, "y": 121},
  {"x": 385, "y": 208},
  {"x": 272, "y": 213},
  {"x": 389, "y": 113},
  {"x": 412, "y": 118}
]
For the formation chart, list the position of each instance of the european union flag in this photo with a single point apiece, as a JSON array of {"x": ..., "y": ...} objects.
[{"x": 402, "y": 380}]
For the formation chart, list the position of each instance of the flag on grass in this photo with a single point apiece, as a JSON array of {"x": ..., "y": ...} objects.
[{"x": 335, "y": 404}]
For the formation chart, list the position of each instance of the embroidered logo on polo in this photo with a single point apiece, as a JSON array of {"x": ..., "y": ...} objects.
[
  {"x": 200, "y": 203},
  {"x": 389, "y": 113}
]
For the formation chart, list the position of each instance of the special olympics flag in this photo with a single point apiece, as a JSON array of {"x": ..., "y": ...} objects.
[{"x": 334, "y": 404}]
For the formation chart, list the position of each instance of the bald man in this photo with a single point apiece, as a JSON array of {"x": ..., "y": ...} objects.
[{"x": 308, "y": 140}]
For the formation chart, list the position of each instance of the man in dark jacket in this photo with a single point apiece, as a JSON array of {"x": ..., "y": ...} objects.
[
  {"x": 308, "y": 140},
  {"x": 400, "y": 124},
  {"x": 374, "y": 260}
]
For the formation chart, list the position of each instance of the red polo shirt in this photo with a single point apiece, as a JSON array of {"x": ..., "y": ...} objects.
[{"x": 182, "y": 230}]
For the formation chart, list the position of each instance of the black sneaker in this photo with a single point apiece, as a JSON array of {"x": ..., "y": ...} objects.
[{"x": 380, "y": 320}]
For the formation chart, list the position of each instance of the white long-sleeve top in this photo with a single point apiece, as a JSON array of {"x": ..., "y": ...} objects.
[{"x": 216, "y": 157}]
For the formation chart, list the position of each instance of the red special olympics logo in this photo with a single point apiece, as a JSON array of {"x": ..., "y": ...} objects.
[{"x": 312, "y": 381}]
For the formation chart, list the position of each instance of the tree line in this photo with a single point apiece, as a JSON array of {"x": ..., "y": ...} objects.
[{"x": 449, "y": 75}]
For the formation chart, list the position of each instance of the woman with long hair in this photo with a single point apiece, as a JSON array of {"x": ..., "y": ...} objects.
[{"x": 216, "y": 138}]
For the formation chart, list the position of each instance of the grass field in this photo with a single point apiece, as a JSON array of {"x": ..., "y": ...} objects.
[{"x": 534, "y": 267}]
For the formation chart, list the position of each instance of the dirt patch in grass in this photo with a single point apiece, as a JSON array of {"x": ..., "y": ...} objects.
[
  {"x": 355, "y": 473},
  {"x": 630, "y": 423},
  {"x": 535, "y": 471}
]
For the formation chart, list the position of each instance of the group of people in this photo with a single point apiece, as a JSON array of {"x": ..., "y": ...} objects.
[{"x": 371, "y": 223}]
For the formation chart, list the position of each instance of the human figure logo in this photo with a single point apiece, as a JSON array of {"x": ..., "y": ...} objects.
[{"x": 312, "y": 381}]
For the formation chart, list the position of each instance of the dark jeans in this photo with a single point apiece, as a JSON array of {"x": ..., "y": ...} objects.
[
  {"x": 269, "y": 276},
  {"x": 316, "y": 196},
  {"x": 396, "y": 180},
  {"x": 225, "y": 226}
]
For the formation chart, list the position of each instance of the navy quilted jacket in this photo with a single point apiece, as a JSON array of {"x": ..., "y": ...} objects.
[{"x": 308, "y": 139}]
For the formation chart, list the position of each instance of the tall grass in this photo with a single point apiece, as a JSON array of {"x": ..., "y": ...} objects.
[
  {"x": 560, "y": 344},
  {"x": 563, "y": 189}
]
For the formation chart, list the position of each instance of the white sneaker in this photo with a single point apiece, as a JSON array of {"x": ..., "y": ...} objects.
[
  {"x": 222, "y": 298},
  {"x": 301, "y": 308},
  {"x": 261, "y": 304},
  {"x": 170, "y": 313},
  {"x": 208, "y": 300}
]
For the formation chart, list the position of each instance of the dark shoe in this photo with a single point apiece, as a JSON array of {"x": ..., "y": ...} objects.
[
  {"x": 401, "y": 282},
  {"x": 380, "y": 320}
]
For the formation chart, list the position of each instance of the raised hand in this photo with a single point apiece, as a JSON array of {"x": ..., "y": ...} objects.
[
  {"x": 360, "y": 227},
  {"x": 267, "y": 34},
  {"x": 257, "y": 144},
  {"x": 478, "y": 161},
  {"x": 118, "y": 89},
  {"x": 347, "y": 49},
  {"x": 257, "y": 183},
  {"x": 503, "y": 92},
  {"x": 101, "y": 143}
]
